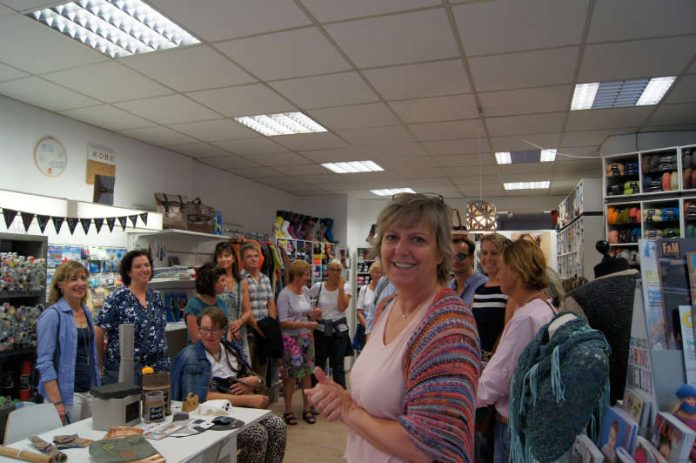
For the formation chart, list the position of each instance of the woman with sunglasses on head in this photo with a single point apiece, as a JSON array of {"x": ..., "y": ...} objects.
[
  {"x": 523, "y": 277},
  {"x": 422, "y": 355}
]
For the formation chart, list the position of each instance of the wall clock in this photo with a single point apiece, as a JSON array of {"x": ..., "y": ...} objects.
[{"x": 50, "y": 157}]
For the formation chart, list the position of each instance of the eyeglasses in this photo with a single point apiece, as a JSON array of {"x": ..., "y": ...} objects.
[
  {"x": 209, "y": 330},
  {"x": 436, "y": 196},
  {"x": 461, "y": 256}
]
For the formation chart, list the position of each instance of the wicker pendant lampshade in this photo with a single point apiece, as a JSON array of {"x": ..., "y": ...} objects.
[{"x": 480, "y": 216}]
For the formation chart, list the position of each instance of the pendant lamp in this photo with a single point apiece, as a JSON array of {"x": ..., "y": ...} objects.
[{"x": 480, "y": 214}]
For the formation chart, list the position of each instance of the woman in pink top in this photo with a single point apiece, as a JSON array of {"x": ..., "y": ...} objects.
[
  {"x": 523, "y": 278},
  {"x": 413, "y": 386}
]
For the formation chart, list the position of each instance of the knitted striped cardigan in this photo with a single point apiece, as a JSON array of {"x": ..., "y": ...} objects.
[{"x": 441, "y": 370}]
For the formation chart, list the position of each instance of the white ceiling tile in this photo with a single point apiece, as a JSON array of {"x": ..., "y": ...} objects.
[
  {"x": 171, "y": 109},
  {"x": 519, "y": 25},
  {"x": 295, "y": 53},
  {"x": 543, "y": 169},
  {"x": 217, "y": 130},
  {"x": 526, "y": 69},
  {"x": 105, "y": 81},
  {"x": 637, "y": 59},
  {"x": 398, "y": 165},
  {"x": 303, "y": 169},
  {"x": 419, "y": 80},
  {"x": 596, "y": 119},
  {"x": 400, "y": 150},
  {"x": 336, "y": 10},
  {"x": 5, "y": 10},
  {"x": 182, "y": 68},
  {"x": 280, "y": 159},
  {"x": 467, "y": 161},
  {"x": 222, "y": 19},
  {"x": 692, "y": 69},
  {"x": 44, "y": 94},
  {"x": 329, "y": 177},
  {"x": 251, "y": 172},
  {"x": 587, "y": 137},
  {"x": 235, "y": 162},
  {"x": 683, "y": 91},
  {"x": 675, "y": 114},
  {"x": 574, "y": 166},
  {"x": 200, "y": 150},
  {"x": 29, "y": 5},
  {"x": 441, "y": 108},
  {"x": 576, "y": 153},
  {"x": 108, "y": 117},
  {"x": 329, "y": 90},
  {"x": 471, "y": 145},
  {"x": 251, "y": 146},
  {"x": 9, "y": 73},
  {"x": 355, "y": 116},
  {"x": 446, "y": 130},
  {"x": 310, "y": 141},
  {"x": 531, "y": 176},
  {"x": 159, "y": 136},
  {"x": 396, "y": 39},
  {"x": 519, "y": 125},
  {"x": 518, "y": 143},
  {"x": 245, "y": 100},
  {"x": 377, "y": 135},
  {"x": 335, "y": 155},
  {"x": 36, "y": 48},
  {"x": 633, "y": 19},
  {"x": 532, "y": 100}
]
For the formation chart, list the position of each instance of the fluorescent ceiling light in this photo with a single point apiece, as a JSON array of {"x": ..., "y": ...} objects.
[
  {"x": 281, "y": 124},
  {"x": 391, "y": 191},
  {"x": 503, "y": 157},
  {"x": 548, "y": 155},
  {"x": 527, "y": 185},
  {"x": 353, "y": 167},
  {"x": 620, "y": 93},
  {"x": 116, "y": 28}
]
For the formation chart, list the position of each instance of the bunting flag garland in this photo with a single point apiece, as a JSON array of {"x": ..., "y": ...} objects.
[
  {"x": 72, "y": 223},
  {"x": 86, "y": 223},
  {"x": 123, "y": 221},
  {"x": 134, "y": 220},
  {"x": 26, "y": 220},
  {"x": 143, "y": 217},
  {"x": 110, "y": 222},
  {"x": 98, "y": 223},
  {"x": 9, "y": 215},
  {"x": 43, "y": 221},
  {"x": 57, "y": 223}
]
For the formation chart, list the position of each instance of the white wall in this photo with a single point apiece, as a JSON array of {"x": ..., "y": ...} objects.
[{"x": 645, "y": 141}]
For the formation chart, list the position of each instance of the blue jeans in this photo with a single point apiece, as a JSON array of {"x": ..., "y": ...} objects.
[{"x": 501, "y": 443}]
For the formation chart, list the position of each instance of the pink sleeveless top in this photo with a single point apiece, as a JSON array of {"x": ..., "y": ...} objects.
[{"x": 377, "y": 383}]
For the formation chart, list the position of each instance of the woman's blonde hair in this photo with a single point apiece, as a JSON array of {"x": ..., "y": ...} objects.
[
  {"x": 297, "y": 268},
  {"x": 497, "y": 240},
  {"x": 555, "y": 290},
  {"x": 335, "y": 263},
  {"x": 526, "y": 260},
  {"x": 65, "y": 272},
  {"x": 375, "y": 266},
  {"x": 409, "y": 209}
]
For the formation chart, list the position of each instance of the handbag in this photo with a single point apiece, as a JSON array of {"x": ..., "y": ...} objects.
[
  {"x": 172, "y": 209},
  {"x": 199, "y": 217}
]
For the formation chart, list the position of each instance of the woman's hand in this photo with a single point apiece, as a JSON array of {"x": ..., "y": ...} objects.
[
  {"x": 245, "y": 385},
  {"x": 60, "y": 408},
  {"x": 311, "y": 325},
  {"x": 315, "y": 314},
  {"x": 236, "y": 325},
  {"x": 329, "y": 398}
]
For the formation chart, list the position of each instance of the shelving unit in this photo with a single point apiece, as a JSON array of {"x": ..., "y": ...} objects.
[
  {"x": 362, "y": 275},
  {"x": 316, "y": 253}
]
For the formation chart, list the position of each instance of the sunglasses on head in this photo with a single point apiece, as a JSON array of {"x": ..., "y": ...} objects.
[{"x": 436, "y": 196}]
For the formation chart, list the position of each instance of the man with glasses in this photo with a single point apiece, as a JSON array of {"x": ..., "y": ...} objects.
[{"x": 466, "y": 280}]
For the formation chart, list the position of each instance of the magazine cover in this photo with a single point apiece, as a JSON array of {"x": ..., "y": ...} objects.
[
  {"x": 689, "y": 350},
  {"x": 622, "y": 456},
  {"x": 637, "y": 407},
  {"x": 585, "y": 451},
  {"x": 652, "y": 294},
  {"x": 645, "y": 452},
  {"x": 619, "y": 429},
  {"x": 672, "y": 438}
]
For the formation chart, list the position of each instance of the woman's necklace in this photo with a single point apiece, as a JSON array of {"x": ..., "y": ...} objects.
[{"x": 417, "y": 308}]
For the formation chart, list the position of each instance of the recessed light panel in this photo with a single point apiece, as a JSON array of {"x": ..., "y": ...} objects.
[
  {"x": 353, "y": 167},
  {"x": 620, "y": 93},
  {"x": 391, "y": 191},
  {"x": 525, "y": 157},
  {"x": 281, "y": 124},
  {"x": 527, "y": 185},
  {"x": 116, "y": 28},
  {"x": 503, "y": 157}
]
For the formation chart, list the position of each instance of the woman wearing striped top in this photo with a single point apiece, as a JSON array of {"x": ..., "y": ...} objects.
[{"x": 422, "y": 355}]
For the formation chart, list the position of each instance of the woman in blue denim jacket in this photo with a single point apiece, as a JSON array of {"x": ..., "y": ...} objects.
[{"x": 66, "y": 352}]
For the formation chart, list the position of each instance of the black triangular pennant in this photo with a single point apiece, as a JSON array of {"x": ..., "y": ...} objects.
[
  {"x": 86, "y": 223},
  {"x": 26, "y": 220},
  {"x": 72, "y": 224},
  {"x": 123, "y": 221},
  {"x": 134, "y": 220},
  {"x": 43, "y": 221},
  {"x": 98, "y": 223},
  {"x": 57, "y": 223},
  {"x": 9, "y": 215},
  {"x": 143, "y": 217},
  {"x": 110, "y": 222}
]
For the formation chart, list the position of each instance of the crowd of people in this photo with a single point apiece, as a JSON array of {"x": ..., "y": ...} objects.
[{"x": 437, "y": 339}]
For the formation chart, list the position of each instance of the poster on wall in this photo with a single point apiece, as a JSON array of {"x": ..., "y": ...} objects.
[{"x": 100, "y": 161}]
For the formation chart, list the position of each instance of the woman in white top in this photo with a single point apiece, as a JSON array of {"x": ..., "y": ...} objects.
[
  {"x": 297, "y": 320},
  {"x": 365, "y": 299}
]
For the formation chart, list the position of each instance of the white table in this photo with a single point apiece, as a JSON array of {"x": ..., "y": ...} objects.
[{"x": 207, "y": 447}]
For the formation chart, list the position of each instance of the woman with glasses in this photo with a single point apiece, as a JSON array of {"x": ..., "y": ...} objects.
[
  {"x": 210, "y": 282},
  {"x": 297, "y": 319},
  {"x": 214, "y": 369},
  {"x": 422, "y": 356},
  {"x": 523, "y": 277},
  {"x": 331, "y": 338}
]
